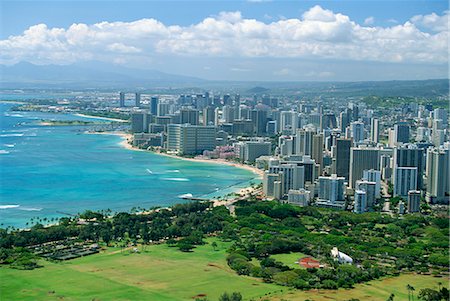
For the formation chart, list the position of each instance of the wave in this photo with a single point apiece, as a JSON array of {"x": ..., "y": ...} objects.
[
  {"x": 175, "y": 170},
  {"x": 16, "y": 115},
  {"x": 149, "y": 171},
  {"x": 8, "y": 206},
  {"x": 12, "y": 135},
  {"x": 3, "y": 152},
  {"x": 185, "y": 196},
  {"x": 30, "y": 209},
  {"x": 9, "y": 145},
  {"x": 176, "y": 179}
]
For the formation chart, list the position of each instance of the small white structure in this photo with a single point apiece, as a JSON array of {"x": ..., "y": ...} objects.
[{"x": 341, "y": 257}]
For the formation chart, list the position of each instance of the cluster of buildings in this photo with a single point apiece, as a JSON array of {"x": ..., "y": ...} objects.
[{"x": 329, "y": 153}]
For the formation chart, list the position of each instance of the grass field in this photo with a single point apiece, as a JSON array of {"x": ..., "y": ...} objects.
[
  {"x": 163, "y": 273},
  {"x": 290, "y": 259}
]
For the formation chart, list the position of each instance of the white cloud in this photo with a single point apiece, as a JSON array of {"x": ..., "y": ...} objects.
[
  {"x": 318, "y": 34},
  {"x": 369, "y": 21},
  {"x": 121, "y": 48},
  {"x": 433, "y": 21}
]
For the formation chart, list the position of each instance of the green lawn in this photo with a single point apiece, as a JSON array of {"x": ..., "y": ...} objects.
[
  {"x": 164, "y": 273},
  {"x": 290, "y": 259},
  {"x": 161, "y": 273}
]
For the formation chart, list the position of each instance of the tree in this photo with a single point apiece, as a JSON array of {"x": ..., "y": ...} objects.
[
  {"x": 411, "y": 290},
  {"x": 391, "y": 297},
  {"x": 235, "y": 296},
  {"x": 428, "y": 294},
  {"x": 214, "y": 245}
]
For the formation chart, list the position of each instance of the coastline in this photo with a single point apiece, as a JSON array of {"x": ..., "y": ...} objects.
[
  {"x": 127, "y": 137},
  {"x": 242, "y": 192}
]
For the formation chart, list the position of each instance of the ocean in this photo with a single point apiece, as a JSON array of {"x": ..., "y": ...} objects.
[{"x": 48, "y": 172}]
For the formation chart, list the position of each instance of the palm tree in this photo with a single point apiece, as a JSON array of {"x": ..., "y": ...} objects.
[
  {"x": 412, "y": 292},
  {"x": 408, "y": 287}
]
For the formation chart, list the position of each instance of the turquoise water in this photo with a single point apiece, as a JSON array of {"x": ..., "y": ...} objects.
[{"x": 51, "y": 171}]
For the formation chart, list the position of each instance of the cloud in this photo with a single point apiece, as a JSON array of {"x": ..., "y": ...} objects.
[
  {"x": 432, "y": 21},
  {"x": 369, "y": 21},
  {"x": 318, "y": 34}
]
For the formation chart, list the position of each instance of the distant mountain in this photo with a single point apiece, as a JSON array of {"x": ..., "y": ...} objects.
[
  {"x": 87, "y": 75},
  {"x": 258, "y": 90}
]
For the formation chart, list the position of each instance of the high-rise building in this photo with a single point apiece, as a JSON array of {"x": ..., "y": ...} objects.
[
  {"x": 317, "y": 150},
  {"x": 360, "y": 205},
  {"x": 188, "y": 139},
  {"x": 409, "y": 155},
  {"x": 405, "y": 179},
  {"x": 299, "y": 197},
  {"x": 259, "y": 118},
  {"x": 290, "y": 176},
  {"x": 209, "y": 116},
  {"x": 357, "y": 131},
  {"x": 441, "y": 114},
  {"x": 328, "y": 121},
  {"x": 140, "y": 122},
  {"x": 373, "y": 176},
  {"x": 137, "y": 99},
  {"x": 437, "y": 174},
  {"x": 228, "y": 114},
  {"x": 331, "y": 188},
  {"x": 189, "y": 116},
  {"x": 304, "y": 141},
  {"x": 362, "y": 159},
  {"x": 269, "y": 180},
  {"x": 163, "y": 109},
  {"x": 288, "y": 122},
  {"x": 154, "y": 105},
  {"x": 369, "y": 188},
  {"x": 401, "y": 132},
  {"x": 122, "y": 99},
  {"x": 375, "y": 130},
  {"x": 343, "y": 157},
  {"x": 413, "y": 201},
  {"x": 256, "y": 149},
  {"x": 271, "y": 128}
]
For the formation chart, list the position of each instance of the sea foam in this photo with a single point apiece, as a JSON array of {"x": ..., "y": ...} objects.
[
  {"x": 176, "y": 179},
  {"x": 8, "y": 206},
  {"x": 186, "y": 195}
]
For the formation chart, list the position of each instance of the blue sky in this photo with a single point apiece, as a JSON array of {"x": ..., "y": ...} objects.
[{"x": 321, "y": 40}]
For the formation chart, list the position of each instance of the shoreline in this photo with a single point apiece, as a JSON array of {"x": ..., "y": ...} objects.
[
  {"x": 241, "y": 192},
  {"x": 127, "y": 137},
  {"x": 99, "y": 117}
]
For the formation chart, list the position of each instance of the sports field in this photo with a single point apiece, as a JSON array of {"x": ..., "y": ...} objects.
[{"x": 164, "y": 273}]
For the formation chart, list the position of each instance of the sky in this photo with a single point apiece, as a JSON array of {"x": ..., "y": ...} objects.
[{"x": 235, "y": 40}]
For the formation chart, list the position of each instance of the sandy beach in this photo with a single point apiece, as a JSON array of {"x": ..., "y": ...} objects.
[{"x": 128, "y": 137}]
